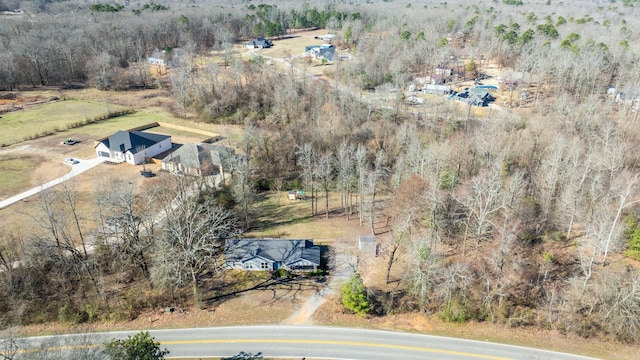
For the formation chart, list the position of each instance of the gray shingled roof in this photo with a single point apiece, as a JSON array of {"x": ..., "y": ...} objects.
[
  {"x": 132, "y": 140},
  {"x": 193, "y": 156},
  {"x": 286, "y": 251}
]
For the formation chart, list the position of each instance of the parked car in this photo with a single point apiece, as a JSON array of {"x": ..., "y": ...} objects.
[
  {"x": 147, "y": 173},
  {"x": 71, "y": 161},
  {"x": 70, "y": 141}
]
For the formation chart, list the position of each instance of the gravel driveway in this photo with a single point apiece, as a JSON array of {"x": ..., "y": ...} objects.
[{"x": 344, "y": 268}]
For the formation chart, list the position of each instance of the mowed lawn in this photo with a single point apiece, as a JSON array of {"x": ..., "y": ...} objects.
[{"x": 18, "y": 126}]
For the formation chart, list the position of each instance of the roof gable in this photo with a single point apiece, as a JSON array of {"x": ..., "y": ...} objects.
[
  {"x": 134, "y": 141},
  {"x": 262, "y": 258}
]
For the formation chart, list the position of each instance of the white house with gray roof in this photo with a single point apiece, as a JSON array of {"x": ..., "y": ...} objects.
[
  {"x": 132, "y": 146},
  {"x": 271, "y": 254}
]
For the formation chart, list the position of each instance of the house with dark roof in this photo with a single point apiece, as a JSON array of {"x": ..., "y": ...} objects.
[
  {"x": 324, "y": 51},
  {"x": 199, "y": 160},
  {"x": 271, "y": 254},
  {"x": 132, "y": 146},
  {"x": 475, "y": 96},
  {"x": 327, "y": 53},
  {"x": 259, "y": 43}
]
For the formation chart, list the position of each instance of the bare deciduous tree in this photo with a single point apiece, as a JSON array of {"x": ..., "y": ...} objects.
[
  {"x": 128, "y": 222},
  {"x": 345, "y": 175},
  {"x": 307, "y": 158},
  {"x": 243, "y": 187},
  {"x": 483, "y": 201},
  {"x": 324, "y": 173},
  {"x": 374, "y": 179},
  {"x": 194, "y": 232}
]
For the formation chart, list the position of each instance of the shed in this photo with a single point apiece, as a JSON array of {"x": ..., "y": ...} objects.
[{"x": 367, "y": 244}]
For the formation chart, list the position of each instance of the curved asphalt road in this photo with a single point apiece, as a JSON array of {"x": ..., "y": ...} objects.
[{"x": 295, "y": 342}]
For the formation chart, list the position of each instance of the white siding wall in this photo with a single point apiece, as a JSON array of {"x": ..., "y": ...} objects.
[
  {"x": 135, "y": 159},
  {"x": 256, "y": 264},
  {"x": 151, "y": 151},
  {"x": 138, "y": 158},
  {"x": 102, "y": 148},
  {"x": 303, "y": 264}
]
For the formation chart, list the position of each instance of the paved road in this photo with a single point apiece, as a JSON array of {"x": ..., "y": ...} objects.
[
  {"x": 295, "y": 342},
  {"x": 76, "y": 169}
]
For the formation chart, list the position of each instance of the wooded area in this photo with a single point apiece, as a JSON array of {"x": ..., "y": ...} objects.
[{"x": 528, "y": 216}]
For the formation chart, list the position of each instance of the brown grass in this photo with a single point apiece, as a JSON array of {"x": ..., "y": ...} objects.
[
  {"x": 292, "y": 219},
  {"x": 31, "y": 163}
]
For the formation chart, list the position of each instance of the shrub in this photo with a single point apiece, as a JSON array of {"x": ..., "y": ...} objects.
[
  {"x": 318, "y": 272},
  {"x": 458, "y": 311},
  {"x": 279, "y": 273},
  {"x": 69, "y": 314},
  {"x": 355, "y": 296},
  {"x": 141, "y": 346},
  {"x": 632, "y": 235}
]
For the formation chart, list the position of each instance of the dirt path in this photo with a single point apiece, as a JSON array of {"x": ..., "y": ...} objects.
[{"x": 344, "y": 268}]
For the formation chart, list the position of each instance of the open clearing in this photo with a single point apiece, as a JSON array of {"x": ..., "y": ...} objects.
[
  {"x": 33, "y": 162},
  {"x": 292, "y": 47},
  {"x": 58, "y": 115}
]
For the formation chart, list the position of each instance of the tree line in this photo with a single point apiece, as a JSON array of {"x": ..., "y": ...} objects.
[{"x": 104, "y": 40}]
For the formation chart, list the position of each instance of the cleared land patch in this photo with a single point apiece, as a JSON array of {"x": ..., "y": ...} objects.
[
  {"x": 49, "y": 118},
  {"x": 17, "y": 170},
  {"x": 31, "y": 162}
]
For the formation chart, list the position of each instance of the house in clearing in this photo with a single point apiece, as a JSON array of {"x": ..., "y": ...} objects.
[
  {"x": 259, "y": 43},
  {"x": 167, "y": 59},
  {"x": 133, "y": 147},
  {"x": 271, "y": 254},
  {"x": 157, "y": 58},
  {"x": 436, "y": 89},
  {"x": 199, "y": 160},
  {"x": 475, "y": 97},
  {"x": 324, "y": 51},
  {"x": 327, "y": 53}
]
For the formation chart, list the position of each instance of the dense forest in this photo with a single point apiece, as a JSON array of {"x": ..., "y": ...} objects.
[{"x": 529, "y": 216}]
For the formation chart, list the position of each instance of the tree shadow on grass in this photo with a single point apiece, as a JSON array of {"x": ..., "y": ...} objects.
[
  {"x": 289, "y": 284},
  {"x": 291, "y": 287}
]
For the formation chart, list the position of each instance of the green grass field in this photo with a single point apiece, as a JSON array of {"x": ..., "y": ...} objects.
[
  {"x": 52, "y": 117},
  {"x": 141, "y": 117}
]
